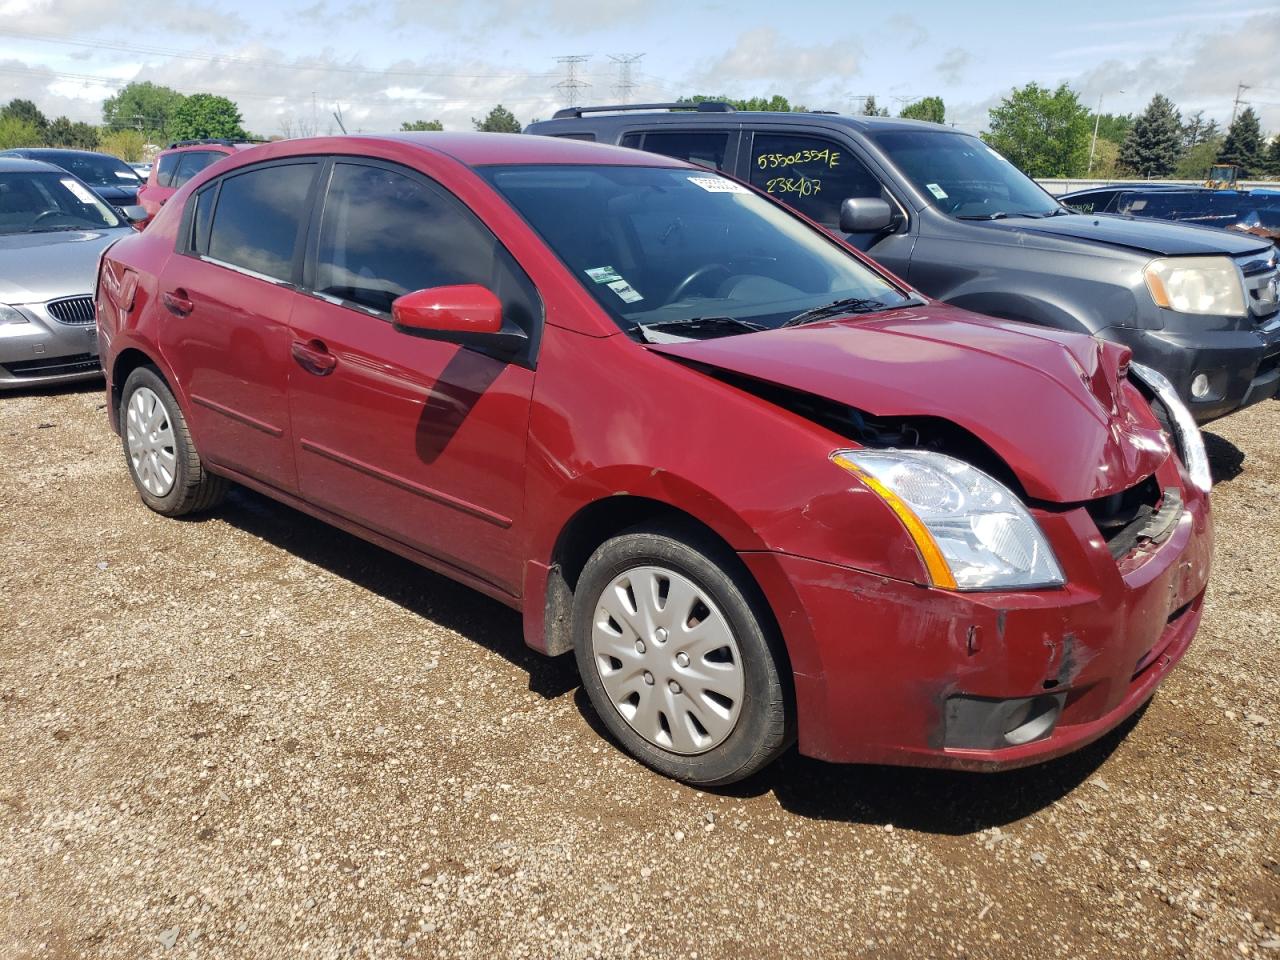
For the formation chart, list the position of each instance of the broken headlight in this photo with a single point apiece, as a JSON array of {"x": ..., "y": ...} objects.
[{"x": 972, "y": 532}]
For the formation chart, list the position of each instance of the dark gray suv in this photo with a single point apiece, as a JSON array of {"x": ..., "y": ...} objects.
[{"x": 959, "y": 222}]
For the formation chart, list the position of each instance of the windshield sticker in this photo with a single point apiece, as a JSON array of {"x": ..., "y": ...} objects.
[
  {"x": 625, "y": 290},
  {"x": 717, "y": 185},
  {"x": 602, "y": 274},
  {"x": 996, "y": 155},
  {"x": 83, "y": 195},
  {"x": 937, "y": 191}
]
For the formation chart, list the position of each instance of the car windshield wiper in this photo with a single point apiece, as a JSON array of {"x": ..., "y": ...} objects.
[
  {"x": 57, "y": 229},
  {"x": 685, "y": 328},
  {"x": 1003, "y": 215},
  {"x": 845, "y": 305}
]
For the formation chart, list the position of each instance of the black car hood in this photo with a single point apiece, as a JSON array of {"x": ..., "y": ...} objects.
[
  {"x": 117, "y": 195},
  {"x": 1149, "y": 236}
]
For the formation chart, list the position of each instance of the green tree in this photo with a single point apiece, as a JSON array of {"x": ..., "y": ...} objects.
[
  {"x": 1043, "y": 132},
  {"x": 928, "y": 108},
  {"x": 1196, "y": 161},
  {"x": 144, "y": 106},
  {"x": 79, "y": 135},
  {"x": 206, "y": 115},
  {"x": 15, "y": 132},
  {"x": 869, "y": 108},
  {"x": 128, "y": 145},
  {"x": 774, "y": 104},
  {"x": 420, "y": 125},
  {"x": 1106, "y": 160},
  {"x": 1114, "y": 126},
  {"x": 499, "y": 120},
  {"x": 1154, "y": 144},
  {"x": 25, "y": 111},
  {"x": 1271, "y": 163},
  {"x": 1243, "y": 145}
]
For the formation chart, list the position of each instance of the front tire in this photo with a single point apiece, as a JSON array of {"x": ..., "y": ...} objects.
[
  {"x": 158, "y": 449},
  {"x": 679, "y": 656}
]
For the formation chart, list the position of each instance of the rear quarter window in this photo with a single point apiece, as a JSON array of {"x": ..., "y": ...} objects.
[{"x": 165, "y": 167}]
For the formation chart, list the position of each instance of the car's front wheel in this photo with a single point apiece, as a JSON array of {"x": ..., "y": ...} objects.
[
  {"x": 162, "y": 458},
  {"x": 678, "y": 657}
]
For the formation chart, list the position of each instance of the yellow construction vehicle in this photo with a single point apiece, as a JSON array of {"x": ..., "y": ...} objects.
[{"x": 1222, "y": 176}]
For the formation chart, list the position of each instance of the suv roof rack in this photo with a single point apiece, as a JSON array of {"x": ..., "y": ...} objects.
[
  {"x": 210, "y": 141},
  {"x": 705, "y": 106}
]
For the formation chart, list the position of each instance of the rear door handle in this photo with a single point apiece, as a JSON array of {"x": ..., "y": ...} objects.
[
  {"x": 314, "y": 357},
  {"x": 176, "y": 302}
]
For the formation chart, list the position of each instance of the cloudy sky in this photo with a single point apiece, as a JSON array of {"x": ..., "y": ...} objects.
[{"x": 289, "y": 62}]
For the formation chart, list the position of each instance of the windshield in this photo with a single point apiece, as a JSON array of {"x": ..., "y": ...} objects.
[
  {"x": 965, "y": 177},
  {"x": 659, "y": 246},
  {"x": 96, "y": 169},
  {"x": 40, "y": 202}
]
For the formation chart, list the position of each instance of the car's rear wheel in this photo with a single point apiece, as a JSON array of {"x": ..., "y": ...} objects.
[
  {"x": 163, "y": 462},
  {"x": 679, "y": 658}
]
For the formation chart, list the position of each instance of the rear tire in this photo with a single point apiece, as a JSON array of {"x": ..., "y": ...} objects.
[
  {"x": 680, "y": 657},
  {"x": 163, "y": 462}
]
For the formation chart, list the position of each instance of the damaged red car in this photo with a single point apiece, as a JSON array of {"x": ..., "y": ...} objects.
[{"x": 764, "y": 491}]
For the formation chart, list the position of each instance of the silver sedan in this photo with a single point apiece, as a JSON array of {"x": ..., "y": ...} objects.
[{"x": 53, "y": 229}]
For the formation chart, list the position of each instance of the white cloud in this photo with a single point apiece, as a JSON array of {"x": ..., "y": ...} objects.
[
  {"x": 65, "y": 17},
  {"x": 762, "y": 62},
  {"x": 953, "y": 64}
]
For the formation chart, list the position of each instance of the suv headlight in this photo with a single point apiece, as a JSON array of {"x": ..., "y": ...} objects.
[
  {"x": 1207, "y": 285},
  {"x": 10, "y": 315},
  {"x": 971, "y": 531},
  {"x": 1186, "y": 434}
]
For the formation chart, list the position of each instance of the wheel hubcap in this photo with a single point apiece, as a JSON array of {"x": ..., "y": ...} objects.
[
  {"x": 668, "y": 660},
  {"x": 149, "y": 439}
]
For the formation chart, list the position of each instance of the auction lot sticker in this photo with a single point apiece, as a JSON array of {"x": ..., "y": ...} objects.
[{"x": 718, "y": 185}]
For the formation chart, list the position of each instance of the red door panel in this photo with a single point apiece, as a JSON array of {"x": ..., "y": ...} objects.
[
  {"x": 229, "y": 346},
  {"x": 420, "y": 440}
]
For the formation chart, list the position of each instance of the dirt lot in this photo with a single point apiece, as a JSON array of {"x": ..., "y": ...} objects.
[{"x": 252, "y": 736}]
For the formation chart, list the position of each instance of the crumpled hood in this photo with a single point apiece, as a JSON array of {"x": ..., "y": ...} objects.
[
  {"x": 35, "y": 267},
  {"x": 1050, "y": 404},
  {"x": 1157, "y": 237}
]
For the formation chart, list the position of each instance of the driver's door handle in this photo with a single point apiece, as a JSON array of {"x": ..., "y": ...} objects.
[
  {"x": 314, "y": 357},
  {"x": 176, "y": 302}
]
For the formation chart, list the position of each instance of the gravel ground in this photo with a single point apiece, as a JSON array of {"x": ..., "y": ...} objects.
[{"x": 250, "y": 735}]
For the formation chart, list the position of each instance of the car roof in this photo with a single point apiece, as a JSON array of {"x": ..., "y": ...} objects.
[
  {"x": 735, "y": 118},
  {"x": 36, "y": 152},
  {"x": 16, "y": 164},
  {"x": 485, "y": 149}
]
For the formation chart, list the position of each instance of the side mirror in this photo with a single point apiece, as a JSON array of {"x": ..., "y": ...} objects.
[
  {"x": 134, "y": 213},
  {"x": 866, "y": 215},
  {"x": 468, "y": 314}
]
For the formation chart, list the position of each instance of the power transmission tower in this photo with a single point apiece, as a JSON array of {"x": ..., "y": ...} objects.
[
  {"x": 571, "y": 83},
  {"x": 625, "y": 84},
  {"x": 1240, "y": 88}
]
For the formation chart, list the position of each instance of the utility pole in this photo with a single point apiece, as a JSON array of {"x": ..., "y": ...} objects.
[
  {"x": 1240, "y": 88},
  {"x": 1097, "y": 118},
  {"x": 571, "y": 84},
  {"x": 625, "y": 84}
]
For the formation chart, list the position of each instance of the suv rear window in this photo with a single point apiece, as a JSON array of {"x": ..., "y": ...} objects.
[
  {"x": 255, "y": 224},
  {"x": 191, "y": 163},
  {"x": 165, "y": 166},
  {"x": 704, "y": 149},
  {"x": 809, "y": 173}
]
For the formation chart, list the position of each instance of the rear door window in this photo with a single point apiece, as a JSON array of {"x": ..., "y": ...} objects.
[
  {"x": 256, "y": 221},
  {"x": 812, "y": 174},
  {"x": 705, "y": 148},
  {"x": 191, "y": 163}
]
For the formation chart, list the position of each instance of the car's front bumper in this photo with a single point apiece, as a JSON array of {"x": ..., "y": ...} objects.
[
  {"x": 892, "y": 672},
  {"x": 46, "y": 350}
]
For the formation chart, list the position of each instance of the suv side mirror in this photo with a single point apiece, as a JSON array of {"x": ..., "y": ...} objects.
[
  {"x": 866, "y": 215},
  {"x": 468, "y": 314}
]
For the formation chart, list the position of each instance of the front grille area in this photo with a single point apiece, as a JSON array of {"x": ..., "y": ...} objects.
[
  {"x": 72, "y": 310},
  {"x": 1259, "y": 277},
  {"x": 1121, "y": 515},
  {"x": 53, "y": 366}
]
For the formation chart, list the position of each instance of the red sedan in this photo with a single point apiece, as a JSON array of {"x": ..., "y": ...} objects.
[{"x": 762, "y": 489}]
